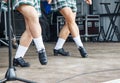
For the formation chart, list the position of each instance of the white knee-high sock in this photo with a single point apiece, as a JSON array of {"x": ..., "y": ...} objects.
[
  {"x": 21, "y": 51},
  {"x": 78, "y": 41},
  {"x": 39, "y": 43},
  {"x": 59, "y": 43}
]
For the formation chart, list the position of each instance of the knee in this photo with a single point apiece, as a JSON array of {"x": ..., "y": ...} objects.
[
  {"x": 70, "y": 19},
  {"x": 33, "y": 17},
  {"x": 28, "y": 12}
]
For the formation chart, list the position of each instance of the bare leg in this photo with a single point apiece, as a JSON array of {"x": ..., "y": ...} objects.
[
  {"x": 32, "y": 20},
  {"x": 61, "y": 40},
  {"x": 33, "y": 31},
  {"x": 25, "y": 41},
  {"x": 64, "y": 33},
  {"x": 73, "y": 28},
  {"x": 70, "y": 19}
]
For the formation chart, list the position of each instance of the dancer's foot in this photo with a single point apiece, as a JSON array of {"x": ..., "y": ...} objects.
[
  {"x": 20, "y": 62},
  {"x": 42, "y": 57},
  {"x": 83, "y": 52},
  {"x": 61, "y": 52}
]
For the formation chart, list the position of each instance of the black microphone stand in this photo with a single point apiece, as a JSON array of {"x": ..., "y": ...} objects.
[{"x": 10, "y": 74}]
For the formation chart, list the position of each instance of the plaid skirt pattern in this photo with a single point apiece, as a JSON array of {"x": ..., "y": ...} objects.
[
  {"x": 56, "y": 5},
  {"x": 17, "y": 3}
]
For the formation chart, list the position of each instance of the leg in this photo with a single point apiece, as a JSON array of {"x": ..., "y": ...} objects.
[
  {"x": 61, "y": 40},
  {"x": 33, "y": 29},
  {"x": 32, "y": 20},
  {"x": 25, "y": 41},
  {"x": 70, "y": 19},
  {"x": 64, "y": 33}
]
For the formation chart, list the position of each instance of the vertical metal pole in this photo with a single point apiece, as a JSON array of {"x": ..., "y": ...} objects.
[{"x": 9, "y": 33}]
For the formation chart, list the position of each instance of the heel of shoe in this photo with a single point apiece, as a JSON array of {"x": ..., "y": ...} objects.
[
  {"x": 15, "y": 64},
  {"x": 55, "y": 52},
  {"x": 83, "y": 52}
]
